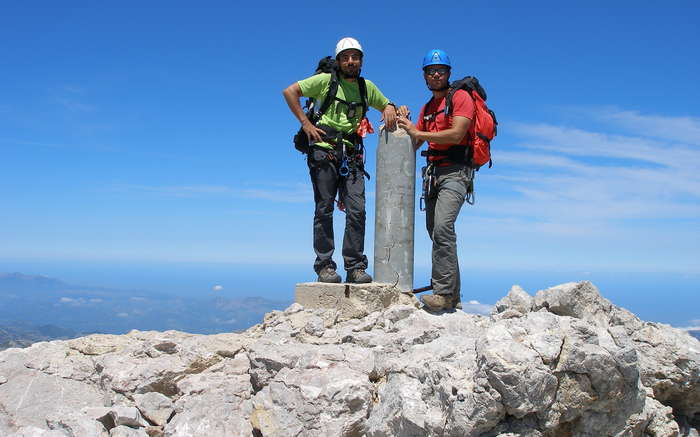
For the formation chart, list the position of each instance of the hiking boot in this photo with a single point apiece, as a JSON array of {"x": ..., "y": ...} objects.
[
  {"x": 439, "y": 302},
  {"x": 358, "y": 276},
  {"x": 457, "y": 301},
  {"x": 328, "y": 274}
]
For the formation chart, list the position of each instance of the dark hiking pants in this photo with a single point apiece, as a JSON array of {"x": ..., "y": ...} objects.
[
  {"x": 323, "y": 168},
  {"x": 441, "y": 211}
]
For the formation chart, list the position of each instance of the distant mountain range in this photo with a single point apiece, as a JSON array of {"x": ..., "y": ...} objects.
[
  {"x": 22, "y": 334},
  {"x": 35, "y": 308},
  {"x": 38, "y": 308}
]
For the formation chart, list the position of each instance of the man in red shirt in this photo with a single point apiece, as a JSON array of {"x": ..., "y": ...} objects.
[{"x": 448, "y": 173}]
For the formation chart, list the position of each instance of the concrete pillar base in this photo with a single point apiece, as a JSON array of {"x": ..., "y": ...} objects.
[{"x": 353, "y": 301}]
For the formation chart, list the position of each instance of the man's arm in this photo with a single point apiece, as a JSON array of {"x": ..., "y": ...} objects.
[
  {"x": 404, "y": 112},
  {"x": 453, "y": 135},
  {"x": 292, "y": 94},
  {"x": 378, "y": 100}
]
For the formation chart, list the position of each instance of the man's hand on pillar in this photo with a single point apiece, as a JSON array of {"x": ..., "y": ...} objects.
[{"x": 389, "y": 117}]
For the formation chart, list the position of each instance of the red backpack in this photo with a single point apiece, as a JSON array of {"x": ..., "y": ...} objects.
[{"x": 483, "y": 127}]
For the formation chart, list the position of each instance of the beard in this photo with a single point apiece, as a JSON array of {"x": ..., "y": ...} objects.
[{"x": 353, "y": 74}]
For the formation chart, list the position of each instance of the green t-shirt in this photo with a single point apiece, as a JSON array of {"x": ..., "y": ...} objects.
[{"x": 316, "y": 87}]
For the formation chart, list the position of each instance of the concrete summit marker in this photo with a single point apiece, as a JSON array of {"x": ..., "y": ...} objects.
[
  {"x": 395, "y": 209},
  {"x": 351, "y": 300}
]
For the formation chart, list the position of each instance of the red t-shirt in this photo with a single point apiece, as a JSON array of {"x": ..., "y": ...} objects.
[{"x": 462, "y": 105}]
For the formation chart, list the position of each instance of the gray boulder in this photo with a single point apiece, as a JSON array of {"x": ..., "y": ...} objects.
[
  {"x": 566, "y": 362},
  {"x": 155, "y": 407},
  {"x": 125, "y": 431}
]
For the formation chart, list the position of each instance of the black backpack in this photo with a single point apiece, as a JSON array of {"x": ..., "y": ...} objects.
[{"x": 328, "y": 65}]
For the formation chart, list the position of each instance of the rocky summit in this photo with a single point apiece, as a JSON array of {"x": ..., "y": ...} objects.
[{"x": 565, "y": 362}]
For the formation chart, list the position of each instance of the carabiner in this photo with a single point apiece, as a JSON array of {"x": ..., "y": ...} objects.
[{"x": 344, "y": 170}]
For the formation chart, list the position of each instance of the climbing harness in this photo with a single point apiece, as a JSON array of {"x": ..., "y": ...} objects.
[{"x": 430, "y": 182}]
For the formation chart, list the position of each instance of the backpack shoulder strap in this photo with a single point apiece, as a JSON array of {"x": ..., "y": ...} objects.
[
  {"x": 363, "y": 95},
  {"x": 468, "y": 84},
  {"x": 332, "y": 91},
  {"x": 427, "y": 117},
  {"x": 448, "y": 100}
]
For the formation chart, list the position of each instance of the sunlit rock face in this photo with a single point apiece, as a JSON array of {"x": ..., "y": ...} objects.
[{"x": 564, "y": 362}]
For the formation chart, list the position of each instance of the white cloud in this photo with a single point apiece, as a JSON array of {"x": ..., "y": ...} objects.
[
  {"x": 568, "y": 173},
  {"x": 474, "y": 307},
  {"x": 36, "y": 144},
  {"x": 123, "y": 315},
  {"x": 73, "y": 89},
  {"x": 681, "y": 129},
  {"x": 217, "y": 288},
  {"x": 671, "y": 150},
  {"x": 72, "y": 301},
  {"x": 74, "y": 105},
  {"x": 296, "y": 193},
  {"x": 32, "y": 143},
  {"x": 578, "y": 142},
  {"x": 693, "y": 325},
  {"x": 225, "y": 322}
]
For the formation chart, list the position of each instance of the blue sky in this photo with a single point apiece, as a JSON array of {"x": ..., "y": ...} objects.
[{"x": 157, "y": 135}]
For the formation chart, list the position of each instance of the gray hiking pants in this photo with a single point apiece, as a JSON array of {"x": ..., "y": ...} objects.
[
  {"x": 327, "y": 183},
  {"x": 441, "y": 211}
]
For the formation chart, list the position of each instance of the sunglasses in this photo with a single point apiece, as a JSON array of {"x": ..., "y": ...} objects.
[{"x": 440, "y": 70}]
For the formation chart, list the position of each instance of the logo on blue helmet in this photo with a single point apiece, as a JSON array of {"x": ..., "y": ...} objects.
[{"x": 436, "y": 57}]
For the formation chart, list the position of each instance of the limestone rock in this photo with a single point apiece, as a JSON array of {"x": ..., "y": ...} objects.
[
  {"x": 566, "y": 362},
  {"x": 155, "y": 431},
  {"x": 32, "y": 431},
  {"x": 155, "y": 407},
  {"x": 339, "y": 394},
  {"x": 516, "y": 299},
  {"x": 128, "y": 416},
  {"x": 125, "y": 431},
  {"x": 669, "y": 359},
  {"x": 75, "y": 424}
]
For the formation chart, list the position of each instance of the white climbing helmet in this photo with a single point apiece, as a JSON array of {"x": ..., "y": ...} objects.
[{"x": 346, "y": 44}]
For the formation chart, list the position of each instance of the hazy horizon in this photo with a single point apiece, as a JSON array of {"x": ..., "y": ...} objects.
[
  {"x": 658, "y": 297},
  {"x": 147, "y": 146}
]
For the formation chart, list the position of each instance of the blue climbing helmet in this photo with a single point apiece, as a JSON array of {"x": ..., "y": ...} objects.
[{"x": 436, "y": 57}]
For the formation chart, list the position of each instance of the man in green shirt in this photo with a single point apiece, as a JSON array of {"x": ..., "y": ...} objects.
[{"x": 335, "y": 158}]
